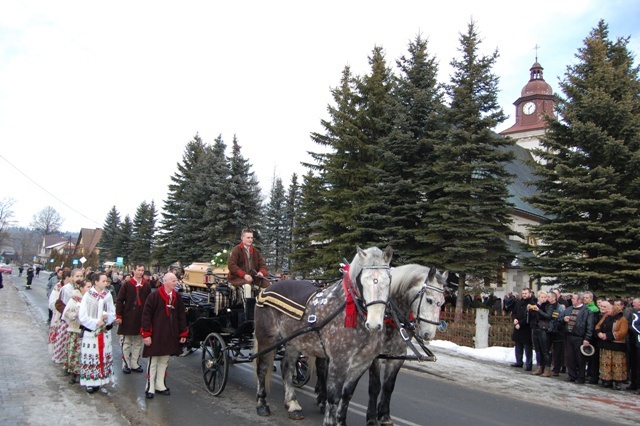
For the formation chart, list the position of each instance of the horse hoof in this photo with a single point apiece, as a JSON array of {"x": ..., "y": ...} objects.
[
  {"x": 263, "y": 410},
  {"x": 296, "y": 415},
  {"x": 386, "y": 421}
]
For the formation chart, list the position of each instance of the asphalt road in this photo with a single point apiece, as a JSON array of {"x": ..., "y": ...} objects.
[{"x": 419, "y": 398}]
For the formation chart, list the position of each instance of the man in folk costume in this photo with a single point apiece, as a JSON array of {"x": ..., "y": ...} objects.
[
  {"x": 97, "y": 313},
  {"x": 129, "y": 305},
  {"x": 164, "y": 329},
  {"x": 245, "y": 260}
]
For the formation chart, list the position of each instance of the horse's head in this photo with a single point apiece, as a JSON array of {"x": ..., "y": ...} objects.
[
  {"x": 419, "y": 290},
  {"x": 370, "y": 272},
  {"x": 427, "y": 302}
]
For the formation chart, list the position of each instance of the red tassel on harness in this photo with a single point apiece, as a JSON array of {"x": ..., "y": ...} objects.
[{"x": 351, "y": 315}]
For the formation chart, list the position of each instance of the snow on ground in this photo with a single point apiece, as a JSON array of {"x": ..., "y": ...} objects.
[{"x": 495, "y": 353}]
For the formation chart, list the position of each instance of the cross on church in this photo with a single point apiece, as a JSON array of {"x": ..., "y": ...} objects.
[{"x": 536, "y": 47}]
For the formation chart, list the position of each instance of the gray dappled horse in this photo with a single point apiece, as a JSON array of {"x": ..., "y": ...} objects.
[
  {"x": 416, "y": 291},
  {"x": 350, "y": 350}
]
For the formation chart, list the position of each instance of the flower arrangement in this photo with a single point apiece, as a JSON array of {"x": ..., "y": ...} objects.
[{"x": 220, "y": 259}]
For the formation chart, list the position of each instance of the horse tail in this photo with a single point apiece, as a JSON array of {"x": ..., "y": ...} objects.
[{"x": 270, "y": 362}]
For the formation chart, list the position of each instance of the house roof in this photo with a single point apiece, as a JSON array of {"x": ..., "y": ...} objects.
[
  {"x": 54, "y": 240},
  {"x": 88, "y": 239}
]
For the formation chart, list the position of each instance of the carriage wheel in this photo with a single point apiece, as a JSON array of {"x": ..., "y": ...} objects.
[
  {"x": 301, "y": 375},
  {"x": 215, "y": 363}
]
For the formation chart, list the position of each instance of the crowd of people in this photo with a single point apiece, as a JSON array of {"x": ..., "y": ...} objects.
[
  {"x": 85, "y": 305},
  {"x": 592, "y": 340},
  {"x": 146, "y": 309}
]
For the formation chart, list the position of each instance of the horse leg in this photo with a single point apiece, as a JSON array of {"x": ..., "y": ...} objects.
[
  {"x": 334, "y": 394},
  {"x": 374, "y": 391},
  {"x": 288, "y": 370},
  {"x": 390, "y": 375},
  {"x": 321, "y": 383},
  {"x": 348, "y": 388},
  {"x": 264, "y": 368}
]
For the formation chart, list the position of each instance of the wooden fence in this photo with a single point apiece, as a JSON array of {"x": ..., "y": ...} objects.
[{"x": 462, "y": 332}]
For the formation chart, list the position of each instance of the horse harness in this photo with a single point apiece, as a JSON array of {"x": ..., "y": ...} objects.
[
  {"x": 320, "y": 299},
  {"x": 351, "y": 291},
  {"x": 406, "y": 327}
]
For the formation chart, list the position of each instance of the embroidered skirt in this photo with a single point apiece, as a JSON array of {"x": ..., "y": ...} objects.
[
  {"x": 96, "y": 360},
  {"x": 74, "y": 344},
  {"x": 60, "y": 343},
  {"x": 53, "y": 332},
  {"x": 613, "y": 365}
]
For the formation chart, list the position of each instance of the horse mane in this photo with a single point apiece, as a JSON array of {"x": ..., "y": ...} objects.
[{"x": 405, "y": 277}]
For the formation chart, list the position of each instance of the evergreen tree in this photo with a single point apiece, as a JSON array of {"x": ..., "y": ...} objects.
[
  {"x": 194, "y": 237},
  {"x": 469, "y": 221},
  {"x": 217, "y": 215},
  {"x": 358, "y": 122},
  {"x": 397, "y": 201},
  {"x": 109, "y": 236},
  {"x": 172, "y": 240},
  {"x": 143, "y": 233},
  {"x": 307, "y": 230},
  {"x": 590, "y": 173},
  {"x": 291, "y": 212},
  {"x": 243, "y": 200},
  {"x": 275, "y": 226},
  {"x": 124, "y": 242}
]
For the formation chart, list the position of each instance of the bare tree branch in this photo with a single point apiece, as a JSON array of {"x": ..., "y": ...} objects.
[{"x": 47, "y": 221}]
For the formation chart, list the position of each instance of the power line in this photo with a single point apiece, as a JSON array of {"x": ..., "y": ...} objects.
[{"x": 45, "y": 190}]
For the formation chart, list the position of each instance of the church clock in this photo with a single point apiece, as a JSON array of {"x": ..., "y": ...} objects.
[{"x": 529, "y": 108}]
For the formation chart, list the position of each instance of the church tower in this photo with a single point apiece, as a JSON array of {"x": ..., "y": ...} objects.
[{"x": 536, "y": 101}]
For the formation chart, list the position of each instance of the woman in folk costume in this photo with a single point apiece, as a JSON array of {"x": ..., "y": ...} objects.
[
  {"x": 164, "y": 329},
  {"x": 74, "y": 341},
  {"x": 97, "y": 314},
  {"x": 612, "y": 331},
  {"x": 60, "y": 345},
  {"x": 54, "y": 329}
]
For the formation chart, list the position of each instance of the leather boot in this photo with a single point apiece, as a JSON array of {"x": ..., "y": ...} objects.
[
  {"x": 547, "y": 372},
  {"x": 538, "y": 371}
]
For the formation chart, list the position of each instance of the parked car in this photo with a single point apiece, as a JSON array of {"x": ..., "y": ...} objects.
[{"x": 5, "y": 269}]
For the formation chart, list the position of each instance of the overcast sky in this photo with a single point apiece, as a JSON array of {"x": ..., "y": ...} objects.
[{"x": 99, "y": 99}]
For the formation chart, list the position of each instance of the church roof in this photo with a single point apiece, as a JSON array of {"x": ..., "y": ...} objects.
[
  {"x": 519, "y": 189},
  {"x": 536, "y": 84}
]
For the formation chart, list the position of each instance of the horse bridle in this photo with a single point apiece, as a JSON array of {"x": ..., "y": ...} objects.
[
  {"x": 442, "y": 325},
  {"x": 375, "y": 281}
]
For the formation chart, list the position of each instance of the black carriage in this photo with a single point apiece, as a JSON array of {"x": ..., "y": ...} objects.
[{"x": 220, "y": 321}]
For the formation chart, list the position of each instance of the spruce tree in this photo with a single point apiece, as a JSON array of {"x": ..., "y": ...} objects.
[
  {"x": 397, "y": 201},
  {"x": 358, "y": 122},
  {"x": 171, "y": 238},
  {"x": 307, "y": 229},
  {"x": 124, "y": 242},
  {"x": 468, "y": 221},
  {"x": 143, "y": 233},
  {"x": 109, "y": 236},
  {"x": 291, "y": 213},
  {"x": 193, "y": 229},
  {"x": 589, "y": 176},
  {"x": 275, "y": 226},
  {"x": 217, "y": 215},
  {"x": 243, "y": 200}
]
